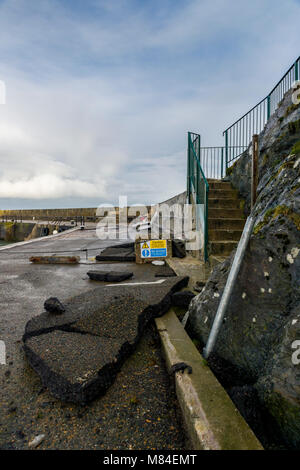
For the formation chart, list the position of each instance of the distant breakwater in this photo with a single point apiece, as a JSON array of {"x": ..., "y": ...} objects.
[{"x": 12, "y": 232}]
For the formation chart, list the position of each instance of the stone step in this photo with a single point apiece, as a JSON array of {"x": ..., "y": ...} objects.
[
  {"x": 223, "y": 193},
  {"x": 226, "y": 224},
  {"x": 219, "y": 185},
  {"x": 228, "y": 235},
  {"x": 222, "y": 247},
  {"x": 225, "y": 213},
  {"x": 221, "y": 202}
]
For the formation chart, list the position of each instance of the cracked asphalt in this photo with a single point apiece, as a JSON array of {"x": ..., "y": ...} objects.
[{"x": 139, "y": 411}]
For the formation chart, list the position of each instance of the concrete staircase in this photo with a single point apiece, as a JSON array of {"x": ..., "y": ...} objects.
[{"x": 225, "y": 218}]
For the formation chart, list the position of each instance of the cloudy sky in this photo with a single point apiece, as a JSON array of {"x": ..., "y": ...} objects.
[{"x": 100, "y": 94}]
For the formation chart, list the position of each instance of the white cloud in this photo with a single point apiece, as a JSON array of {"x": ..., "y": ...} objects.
[
  {"x": 47, "y": 186},
  {"x": 100, "y": 105}
]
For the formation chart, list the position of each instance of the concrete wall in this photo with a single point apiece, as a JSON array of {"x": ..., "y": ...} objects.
[
  {"x": 53, "y": 214},
  {"x": 18, "y": 232},
  {"x": 178, "y": 199},
  {"x": 48, "y": 214},
  {"x": 15, "y": 232},
  {"x": 195, "y": 246}
]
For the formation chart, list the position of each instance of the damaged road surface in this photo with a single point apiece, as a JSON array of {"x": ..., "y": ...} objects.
[
  {"x": 79, "y": 352},
  {"x": 138, "y": 411}
]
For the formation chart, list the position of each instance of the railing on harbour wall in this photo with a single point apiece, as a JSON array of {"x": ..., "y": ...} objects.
[{"x": 238, "y": 136}]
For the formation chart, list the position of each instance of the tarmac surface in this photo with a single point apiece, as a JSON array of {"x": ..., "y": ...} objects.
[{"x": 139, "y": 410}]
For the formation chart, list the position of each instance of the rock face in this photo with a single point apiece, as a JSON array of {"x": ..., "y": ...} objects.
[
  {"x": 262, "y": 321},
  {"x": 78, "y": 353}
]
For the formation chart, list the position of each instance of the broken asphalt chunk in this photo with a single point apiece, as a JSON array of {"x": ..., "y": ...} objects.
[
  {"x": 124, "y": 252},
  {"x": 178, "y": 248},
  {"x": 78, "y": 353},
  {"x": 111, "y": 276},
  {"x": 182, "y": 299},
  {"x": 53, "y": 305},
  {"x": 55, "y": 259}
]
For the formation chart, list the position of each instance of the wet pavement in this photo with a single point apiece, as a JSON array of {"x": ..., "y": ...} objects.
[{"x": 139, "y": 411}]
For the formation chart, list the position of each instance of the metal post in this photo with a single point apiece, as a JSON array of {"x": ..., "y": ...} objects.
[
  {"x": 222, "y": 165},
  {"x": 254, "y": 169},
  {"x": 296, "y": 70},
  {"x": 268, "y": 106},
  {"x": 235, "y": 267},
  {"x": 188, "y": 170},
  {"x": 226, "y": 151},
  {"x": 206, "y": 190}
]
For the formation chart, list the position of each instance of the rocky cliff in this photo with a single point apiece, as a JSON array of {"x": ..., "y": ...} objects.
[{"x": 261, "y": 330}]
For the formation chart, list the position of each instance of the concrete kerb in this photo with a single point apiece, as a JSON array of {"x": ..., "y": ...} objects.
[
  {"x": 189, "y": 266},
  {"x": 210, "y": 417}
]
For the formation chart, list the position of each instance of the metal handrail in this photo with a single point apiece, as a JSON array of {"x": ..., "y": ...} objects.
[
  {"x": 230, "y": 283},
  {"x": 199, "y": 166},
  {"x": 253, "y": 122}
]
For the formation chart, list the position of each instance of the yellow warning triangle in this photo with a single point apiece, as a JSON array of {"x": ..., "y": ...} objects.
[{"x": 145, "y": 246}]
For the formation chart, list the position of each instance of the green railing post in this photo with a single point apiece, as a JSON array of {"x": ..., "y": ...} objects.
[
  {"x": 226, "y": 151},
  {"x": 188, "y": 170},
  {"x": 206, "y": 225},
  {"x": 268, "y": 106},
  {"x": 297, "y": 70},
  {"x": 222, "y": 163}
]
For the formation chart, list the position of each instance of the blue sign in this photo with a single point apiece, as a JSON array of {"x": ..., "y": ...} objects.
[
  {"x": 154, "y": 249},
  {"x": 158, "y": 252}
]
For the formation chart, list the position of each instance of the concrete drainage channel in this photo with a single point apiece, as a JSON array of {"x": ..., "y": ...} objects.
[{"x": 211, "y": 419}]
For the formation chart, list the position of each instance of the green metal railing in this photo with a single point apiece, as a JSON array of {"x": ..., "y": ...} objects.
[
  {"x": 212, "y": 162},
  {"x": 198, "y": 188},
  {"x": 238, "y": 136}
]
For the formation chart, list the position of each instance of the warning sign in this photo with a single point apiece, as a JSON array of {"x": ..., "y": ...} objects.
[{"x": 154, "y": 249}]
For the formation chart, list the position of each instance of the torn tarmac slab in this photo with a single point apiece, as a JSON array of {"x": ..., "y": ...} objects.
[
  {"x": 182, "y": 299},
  {"x": 124, "y": 252},
  {"x": 54, "y": 259},
  {"x": 78, "y": 353},
  {"x": 109, "y": 276}
]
